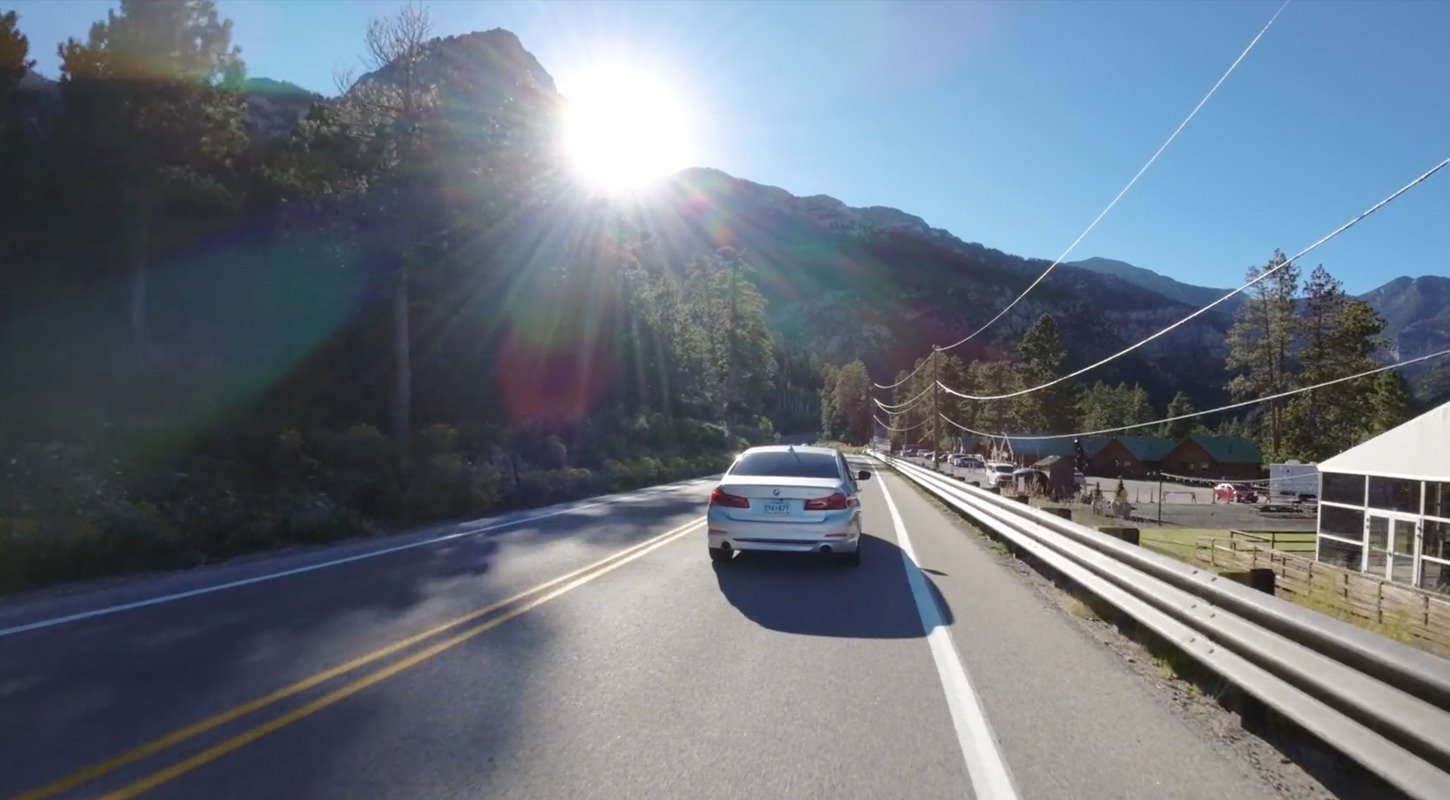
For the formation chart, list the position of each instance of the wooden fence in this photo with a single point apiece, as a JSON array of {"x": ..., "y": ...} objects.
[
  {"x": 1410, "y": 615},
  {"x": 1283, "y": 541}
]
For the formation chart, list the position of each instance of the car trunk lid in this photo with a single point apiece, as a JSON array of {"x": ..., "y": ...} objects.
[{"x": 778, "y": 499}]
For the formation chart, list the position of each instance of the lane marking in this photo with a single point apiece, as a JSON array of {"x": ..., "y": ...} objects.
[
  {"x": 174, "y": 771},
  {"x": 991, "y": 779},
  {"x": 286, "y": 573},
  {"x": 94, "y": 771}
]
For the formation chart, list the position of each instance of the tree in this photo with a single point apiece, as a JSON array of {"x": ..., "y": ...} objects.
[
  {"x": 1178, "y": 429},
  {"x": 1340, "y": 336},
  {"x": 992, "y": 416},
  {"x": 1391, "y": 404},
  {"x": 1047, "y": 410},
  {"x": 151, "y": 99},
  {"x": 832, "y": 420},
  {"x": 15, "y": 59},
  {"x": 852, "y": 392},
  {"x": 1261, "y": 342},
  {"x": 1104, "y": 407},
  {"x": 379, "y": 129}
]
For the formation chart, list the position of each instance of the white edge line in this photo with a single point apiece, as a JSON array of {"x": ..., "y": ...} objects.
[
  {"x": 991, "y": 779},
  {"x": 153, "y": 601}
]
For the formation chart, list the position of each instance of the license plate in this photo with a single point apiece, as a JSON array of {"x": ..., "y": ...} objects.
[{"x": 777, "y": 506}]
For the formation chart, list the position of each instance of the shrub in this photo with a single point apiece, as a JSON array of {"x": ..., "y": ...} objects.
[
  {"x": 436, "y": 440},
  {"x": 555, "y": 453}
]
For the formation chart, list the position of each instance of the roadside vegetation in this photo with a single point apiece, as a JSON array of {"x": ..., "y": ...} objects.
[
  {"x": 256, "y": 317},
  {"x": 1289, "y": 333}
]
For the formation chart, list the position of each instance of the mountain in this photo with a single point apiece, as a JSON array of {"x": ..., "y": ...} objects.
[
  {"x": 275, "y": 107},
  {"x": 1417, "y": 311},
  {"x": 883, "y": 285},
  {"x": 875, "y": 283},
  {"x": 1162, "y": 284}
]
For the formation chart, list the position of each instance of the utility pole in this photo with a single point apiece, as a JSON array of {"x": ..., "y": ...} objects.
[
  {"x": 935, "y": 407},
  {"x": 730, "y": 376},
  {"x": 1160, "y": 498}
]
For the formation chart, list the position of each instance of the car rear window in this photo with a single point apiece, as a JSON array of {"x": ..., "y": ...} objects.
[{"x": 786, "y": 464}]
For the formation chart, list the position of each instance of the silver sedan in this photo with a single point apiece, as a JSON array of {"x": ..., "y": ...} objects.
[{"x": 788, "y": 499}]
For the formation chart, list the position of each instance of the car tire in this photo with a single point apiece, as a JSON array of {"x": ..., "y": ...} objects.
[
  {"x": 720, "y": 554},
  {"x": 853, "y": 558}
]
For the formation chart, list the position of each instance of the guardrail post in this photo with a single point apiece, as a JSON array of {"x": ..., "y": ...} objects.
[{"x": 1129, "y": 535}]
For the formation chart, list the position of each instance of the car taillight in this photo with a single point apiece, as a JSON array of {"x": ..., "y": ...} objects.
[
  {"x": 835, "y": 502},
  {"x": 720, "y": 497}
]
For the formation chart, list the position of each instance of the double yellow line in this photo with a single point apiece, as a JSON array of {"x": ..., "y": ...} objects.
[{"x": 521, "y": 602}]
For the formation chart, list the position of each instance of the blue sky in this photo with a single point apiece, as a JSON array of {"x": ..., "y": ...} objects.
[{"x": 1013, "y": 123}]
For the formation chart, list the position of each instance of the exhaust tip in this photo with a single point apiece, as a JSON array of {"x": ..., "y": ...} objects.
[{"x": 825, "y": 548}]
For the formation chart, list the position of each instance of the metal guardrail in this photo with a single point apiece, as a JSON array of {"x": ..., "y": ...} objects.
[{"x": 1381, "y": 703}]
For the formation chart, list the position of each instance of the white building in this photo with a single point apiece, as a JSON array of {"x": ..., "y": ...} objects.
[{"x": 1384, "y": 506}]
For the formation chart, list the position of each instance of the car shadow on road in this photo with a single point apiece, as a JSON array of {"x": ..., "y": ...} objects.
[{"x": 806, "y": 594}]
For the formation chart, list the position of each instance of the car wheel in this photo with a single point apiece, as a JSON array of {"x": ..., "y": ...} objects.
[
  {"x": 853, "y": 558},
  {"x": 720, "y": 554}
]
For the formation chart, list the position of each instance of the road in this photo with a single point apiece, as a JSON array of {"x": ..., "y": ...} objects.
[{"x": 654, "y": 675}]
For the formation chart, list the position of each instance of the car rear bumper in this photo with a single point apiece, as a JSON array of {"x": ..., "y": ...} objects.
[{"x": 841, "y": 535}]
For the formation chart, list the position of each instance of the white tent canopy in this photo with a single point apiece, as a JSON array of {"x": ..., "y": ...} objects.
[{"x": 1418, "y": 450}]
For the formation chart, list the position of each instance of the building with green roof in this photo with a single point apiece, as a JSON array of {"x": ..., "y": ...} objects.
[
  {"x": 1203, "y": 455},
  {"x": 1131, "y": 456}
]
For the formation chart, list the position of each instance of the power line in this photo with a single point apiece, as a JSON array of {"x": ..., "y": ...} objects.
[
  {"x": 910, "y": 375},
  {"x": 893, "y": 408},
  {"x": 1341, "y": 229},
  {"x": 898, "y": 430},
  {"x": 902, "y": 409},
  {"x": 1230, "y": 407},
  {"x": 1110, "y": 205},
  {"x": 1105, "y": 211}
]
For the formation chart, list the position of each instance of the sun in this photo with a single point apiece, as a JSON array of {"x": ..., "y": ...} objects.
[{"x": 623, "y": 128}]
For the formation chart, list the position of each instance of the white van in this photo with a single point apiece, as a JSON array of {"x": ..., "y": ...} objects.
[{"x": 1000, "y": 472}]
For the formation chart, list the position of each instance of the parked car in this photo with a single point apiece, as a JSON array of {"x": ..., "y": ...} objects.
[
  {"x": 1235, "y": 493},
  {"x": 999, "y": 472},
  {"x": 787, "y": 498}
]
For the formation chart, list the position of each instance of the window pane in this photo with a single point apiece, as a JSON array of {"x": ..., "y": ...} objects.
[
  {"x": 1346, "y": 523},
  {"x": 1339, "y": 554},
  {"x": 1434, "y": 576},
  {"x": 1392, "y": 494},
  {"x": 1404, "y": 543},
  {"x": 1437, "y": 499},
  {"x": 1379, "y": 533},
  {"x": 1341, "y": 488},
  {"x": 785, "y": 463},
  {"x": 1434, "y": 543}
]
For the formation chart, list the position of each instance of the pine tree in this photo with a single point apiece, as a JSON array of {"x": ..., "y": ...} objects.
[
  {"x": 852, "y": 392},
  {"x": 1340, "y": 336},
  {"x": 831, "y": 417},
  {"x": 15, "y": 59},
  {"x": 1178, "y": 429},
  {"x": 151, "y": 103},
  {"x": 1261, "y": 343},
  {"x": 1391, "y": 404},
  {"x": 1047, "y": 410}
]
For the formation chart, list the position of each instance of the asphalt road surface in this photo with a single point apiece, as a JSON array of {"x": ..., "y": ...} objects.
[{"x": 412, "y": 669}]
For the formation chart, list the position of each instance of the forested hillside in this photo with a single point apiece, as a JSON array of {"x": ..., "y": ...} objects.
[{"x": 390, "y": 307}]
